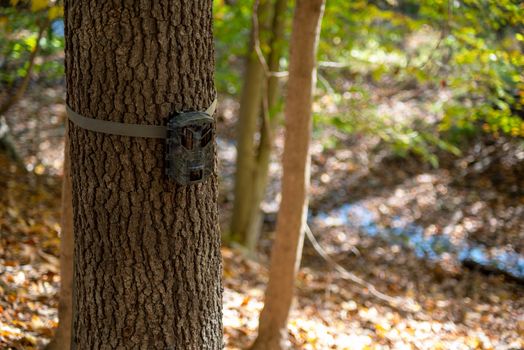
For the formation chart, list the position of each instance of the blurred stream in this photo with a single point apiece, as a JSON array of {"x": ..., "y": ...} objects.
[{"x": 430, "y": 247}]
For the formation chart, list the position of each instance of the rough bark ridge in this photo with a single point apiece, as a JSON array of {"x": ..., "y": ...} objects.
[
  {"x": 287, "y": 249},
  {"x": 147, "y": 251}
]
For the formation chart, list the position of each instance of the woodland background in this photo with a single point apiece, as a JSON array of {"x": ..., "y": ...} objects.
[{"x": 417, "y": 175}]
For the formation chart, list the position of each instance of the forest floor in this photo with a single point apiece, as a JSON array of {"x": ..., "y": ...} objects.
[{"x": 397, "y": 223}]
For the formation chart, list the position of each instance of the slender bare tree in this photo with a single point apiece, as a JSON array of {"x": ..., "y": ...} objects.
[
  {"x": 250, "y": 102},
  {"x": 287, "y": 248}
]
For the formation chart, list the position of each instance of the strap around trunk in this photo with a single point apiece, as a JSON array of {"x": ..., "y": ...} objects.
[{"x": 123, "y": 129}]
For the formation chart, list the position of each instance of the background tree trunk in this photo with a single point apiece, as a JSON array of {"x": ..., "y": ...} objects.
[
  {"x": 247, "y": 126},
  {"x": 267, "y": 127},
  {"x": 62, "y": 339},
  {"x": 287, "y": 249},
  {"x": 147, "y": 264}
]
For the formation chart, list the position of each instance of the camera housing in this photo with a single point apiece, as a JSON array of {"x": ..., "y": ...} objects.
[{"x": 190, "y": 147}]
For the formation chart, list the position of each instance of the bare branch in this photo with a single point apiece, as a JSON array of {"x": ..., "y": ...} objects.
[{"x": 394, "y": 302}]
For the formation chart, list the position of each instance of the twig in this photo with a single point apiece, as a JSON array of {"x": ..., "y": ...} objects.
[
  {"x": 326, "y": 83},
  {"x": 328, "y": 64},
  {"x": 393, "y": 302},
  {"x": 445, "y": 31}
]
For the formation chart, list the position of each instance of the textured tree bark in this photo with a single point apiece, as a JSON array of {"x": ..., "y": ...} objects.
[
  {"x": 287, "y": 249},
  {"x": 247, "y": 127},
  {"x": 62, "y": 339},
  {"x": 147, "y": 264}
]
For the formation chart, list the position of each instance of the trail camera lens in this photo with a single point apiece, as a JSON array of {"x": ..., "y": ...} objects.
[{"x": 190, "y": 147}]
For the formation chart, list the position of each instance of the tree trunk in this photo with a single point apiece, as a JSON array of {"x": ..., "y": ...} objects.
[
  {"x": 267, "y": 128},
  {"x": 286, "y": 252},
  {"x": 147, "y": 264},
  {"x": 247, "y": 127},
  {"x": 62, "y": 339}
]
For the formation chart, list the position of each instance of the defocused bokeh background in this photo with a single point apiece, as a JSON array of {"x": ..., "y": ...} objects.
[{"x": 417, "y": 174}]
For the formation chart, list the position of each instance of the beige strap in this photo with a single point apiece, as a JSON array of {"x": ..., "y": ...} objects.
[{"x": 123, "y": 129}]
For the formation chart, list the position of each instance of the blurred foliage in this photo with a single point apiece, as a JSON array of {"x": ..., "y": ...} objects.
[
  {"x": 232, "y": 30},
  {"x": 20, "y": 22},
  {"x": 469, "y": 51},
  {"x": 467, "y": 55},
  {"x": 488, "y": 83}
]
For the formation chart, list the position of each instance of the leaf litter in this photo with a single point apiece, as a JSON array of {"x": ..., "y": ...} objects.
[{"x": 453, "y": 306}]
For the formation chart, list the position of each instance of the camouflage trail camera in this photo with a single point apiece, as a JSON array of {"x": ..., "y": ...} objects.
[{"x": 190, "y": 147}]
